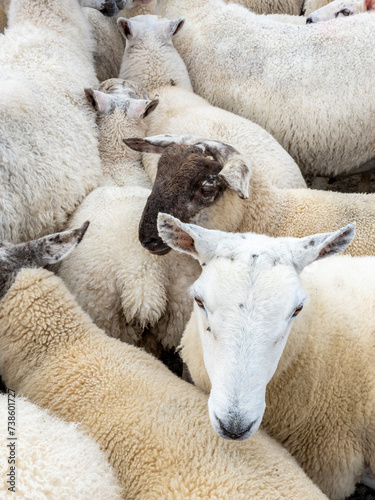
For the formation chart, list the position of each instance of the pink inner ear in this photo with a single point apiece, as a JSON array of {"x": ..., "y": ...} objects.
[
  {"x": 185, "y": 242},
  {"x": 369, "y": 4}
]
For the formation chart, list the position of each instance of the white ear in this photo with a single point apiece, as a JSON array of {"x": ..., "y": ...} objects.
[
  {"x": 237, "y": 174},
  {"x": 173, "y": 26},
  {"x": 140, "y": 108},
  {"x": 99, "y": 100},
  {"x": 306, "y": 250},
  {"x": 125, "y": 27},
  {"x": 194, "y": 240}
]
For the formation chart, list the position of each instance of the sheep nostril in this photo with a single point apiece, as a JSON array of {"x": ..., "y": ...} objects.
[{"x": 309, "y": 20}]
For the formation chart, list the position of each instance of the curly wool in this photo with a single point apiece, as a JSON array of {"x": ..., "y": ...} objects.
[
  {"x": 48, "y": 145},
  {"x": 54, "y": 458},
  {"x": 153, "y": 426},
  {"x": 321, "y": 400},
  {"x": 295, "y": 81}
]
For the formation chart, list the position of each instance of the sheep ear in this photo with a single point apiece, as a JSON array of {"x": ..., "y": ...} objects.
[
  {"x": 236, "y": 173},
  {"x": 306, "y": 250},
  {"x": 101, "y": 102},
  {"x": 143, "y": 146},
  {"x": 369, "y": 5},
  {"x": 173, "y": 26},
  {"x": 125, "y": 27},
  {"x": 55, "y": 247},
  {"x": 140, "y": 108},
  {"x": 187, "y": 238}
]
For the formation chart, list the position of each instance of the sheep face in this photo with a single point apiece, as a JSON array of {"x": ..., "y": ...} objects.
[
  {"x": 109, "y": 8},
  {"x": 340, "y": 9},
  {"x": 246, "y": 300},
  {"x": 149, "y": 48},
  {"x": 123, "y": 95},
  {"x": 36, "y": 253},
  {"x": 192, "y": 175}
]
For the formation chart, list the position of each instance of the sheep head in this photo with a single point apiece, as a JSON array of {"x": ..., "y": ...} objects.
[{"x": 36, "y": 253}]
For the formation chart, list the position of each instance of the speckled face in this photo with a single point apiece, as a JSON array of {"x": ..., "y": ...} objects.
[{"x": 36, "y": 253}]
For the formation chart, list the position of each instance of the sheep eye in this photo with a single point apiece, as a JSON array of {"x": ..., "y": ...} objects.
[
  {"x": 297, "y": 311},
  {"x": 207, "y": 188},
  {"x": 199, "y": 302},
  {"x": 345, "y": 12}
]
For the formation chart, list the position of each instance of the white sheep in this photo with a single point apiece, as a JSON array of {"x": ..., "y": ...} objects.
[
  {"x": 48, "y": 147},
  {"x": 116, "y": 281},
  {"x": 151, "y": 60},
  {"x": 304, "y": 85},
  {"x": 292, "y": 7},
  {"x": 109, "y": 42},
  {"x": 310, "y": 6},
  {"x": 51, "y": 458},
  {"x": 341, "y": 8},
  {"x": 245, "y": 202},
  {"x": 320, "y": 382},
  {"x": 152, "y": 425}
]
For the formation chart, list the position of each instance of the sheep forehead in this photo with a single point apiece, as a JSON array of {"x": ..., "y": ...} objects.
[
  {"x": 123, "y": 89},
  {"x": 148, "y": 24},
  {"x": 245, "y": 272}
]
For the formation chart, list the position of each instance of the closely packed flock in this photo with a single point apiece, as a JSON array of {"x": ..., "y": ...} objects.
[{"x": 127, "y": 134}]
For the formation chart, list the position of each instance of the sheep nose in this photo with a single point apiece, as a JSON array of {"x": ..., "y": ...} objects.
[
  {"x": 309, "y": 20},
  {"x": 150, "y": 243},
  {"x": 232, "y": 430},
  {"x": 155, "y": 245}
]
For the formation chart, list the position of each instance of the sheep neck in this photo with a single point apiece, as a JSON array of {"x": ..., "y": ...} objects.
[
  {"x": 121, "y": 164},
  {"x": 154, "y": 67}
]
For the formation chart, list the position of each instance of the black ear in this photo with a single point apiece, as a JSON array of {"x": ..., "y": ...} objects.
[
  {"x": 143, "y": 146},
  {"x": 125, "y": 27}
]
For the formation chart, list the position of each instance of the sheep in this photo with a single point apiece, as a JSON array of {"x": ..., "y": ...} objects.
[
  {"x": 246, "y": 202},
  {"x": 109, "y": 42},
  {"x": 292, "y": 7},
  {"x": 320, "y": 382},
  {"x": 52, "y": 458},
  {"x": 117, "y": 282},
  {"x": 151, "y": 60},
  {"x": 310, "y": 6},
  {"x": 341, "y": 8},
  {"x": 48, "y": 147},
  {"x": 151, "y": 424},
  {"x": 281, "y": 77}
]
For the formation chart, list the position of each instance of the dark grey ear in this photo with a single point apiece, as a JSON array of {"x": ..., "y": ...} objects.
[
  {"x": 143, "y": 145},
  {"x": 125, "y": 27},
  {"x": 36, "y": 253},
  {"x": 55, "y": 247}
]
